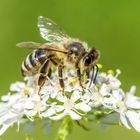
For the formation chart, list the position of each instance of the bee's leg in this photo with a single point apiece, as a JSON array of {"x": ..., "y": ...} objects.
[
  {"x": 79, "y": 76},
  {"x": 60, "y": 75},
  {"x": 92, "y": 77},
  {"x": 87, "y": 75},
  {"x": 44, "y": 73},
  {"x": 41, "y": 81},
  {"x": 97, "y": 69},
  {"x": 49, "y": 72}
]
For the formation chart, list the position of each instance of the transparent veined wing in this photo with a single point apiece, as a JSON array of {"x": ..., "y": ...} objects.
[
  {"x": 30, "y": 44},
  {"x": 50, "y": 31},
  {"x": 34, "y": 45}
]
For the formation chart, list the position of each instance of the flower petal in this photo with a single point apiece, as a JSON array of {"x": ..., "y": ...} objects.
[
  {"x": 132, "y": 90},
  {"x": 29, "y": 105},
  {"x": 36, "y": 98},
  {"x": 114, "y": 83},
  {"x": 59, "y": 116},
  {"x": 61, "y": 98},
  {"x": 49, "y": 112},
  {"x": 17, "y": 86},
  {"x": 82, "y": 106},
  {"x": 75, "y": 95},
  {"x": 133, "y": 102},
  {"x": 52, "y": 111},
  {"x": 5, "y": 98},
  {"x": 74, "y": 115},
  {"x": 134, "y": 118},
  {"x": 124, "y": 120},
  {"x": 30, "y": 113},
  {"x": 3, "y": 129}
]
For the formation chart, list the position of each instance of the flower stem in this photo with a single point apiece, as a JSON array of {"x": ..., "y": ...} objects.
[{"x": 64, "y": 129}]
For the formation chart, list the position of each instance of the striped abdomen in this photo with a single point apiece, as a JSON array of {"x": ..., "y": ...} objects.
[{"x": 33, "y": 62}]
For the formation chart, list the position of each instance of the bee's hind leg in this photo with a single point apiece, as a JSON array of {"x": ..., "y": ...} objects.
[
  {"x": 60, "y": 75},
  {"x": 45, "y": 72}
]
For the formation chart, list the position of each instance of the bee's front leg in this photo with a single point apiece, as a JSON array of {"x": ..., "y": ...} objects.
[
  {"x": 79, "y": 76},
  {"x": 60, "y": 75},
  {"x": 87, "y": 75}
]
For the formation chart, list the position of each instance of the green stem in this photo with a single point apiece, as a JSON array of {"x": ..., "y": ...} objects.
[{"x": 64, "y": 129}]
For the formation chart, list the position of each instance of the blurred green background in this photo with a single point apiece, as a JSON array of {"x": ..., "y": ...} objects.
[{"x": 112, "y": 26}]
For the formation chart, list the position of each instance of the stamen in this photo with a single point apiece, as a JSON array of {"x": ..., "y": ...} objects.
[
  {"x": 73, "y": 80},
  {"x": 100, "y": 66},
  {"x": 110, "y": 72}
]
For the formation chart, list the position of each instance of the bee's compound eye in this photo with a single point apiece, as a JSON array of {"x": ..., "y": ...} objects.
[{"x": 87, "y": 60}]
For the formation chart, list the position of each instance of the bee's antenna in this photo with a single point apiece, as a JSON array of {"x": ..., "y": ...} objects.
[
  {"x": 93, "y": 78},
  {"x": 95, "y": 74}
]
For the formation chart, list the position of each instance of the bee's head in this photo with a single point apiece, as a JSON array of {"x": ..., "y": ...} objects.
[{"x": 91, "y": 57}]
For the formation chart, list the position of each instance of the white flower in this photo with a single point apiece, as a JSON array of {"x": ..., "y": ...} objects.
[
  {"x": 21, "y": 87},
  {"x": 11, "y": 111},
  {"x": 34, "y": 105},
  {"x": 25, "y": 102},
  {"x": 128, "y": 106},
  {"x": 69, "y": 107},
  {"x": 17, "y": 86},
  {"x": 101, "y": 95},
  {"x": 15, "y": 106},
  {"x": 109, "y": 79}
]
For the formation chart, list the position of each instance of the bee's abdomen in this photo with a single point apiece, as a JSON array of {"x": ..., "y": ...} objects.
[{"x": 33, "y": 62}]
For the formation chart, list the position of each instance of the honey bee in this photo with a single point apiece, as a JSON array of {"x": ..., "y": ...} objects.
[{"x": 61, "y": 51}]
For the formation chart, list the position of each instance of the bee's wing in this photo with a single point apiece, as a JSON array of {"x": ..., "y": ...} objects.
[
  {"x": 30, "y": 44},
  {"x": 34, "y": 45},
  {"x": 50, "y": 31}
]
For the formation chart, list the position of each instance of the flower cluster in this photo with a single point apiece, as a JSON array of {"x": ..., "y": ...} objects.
[{"x": 24, "y": 102}]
